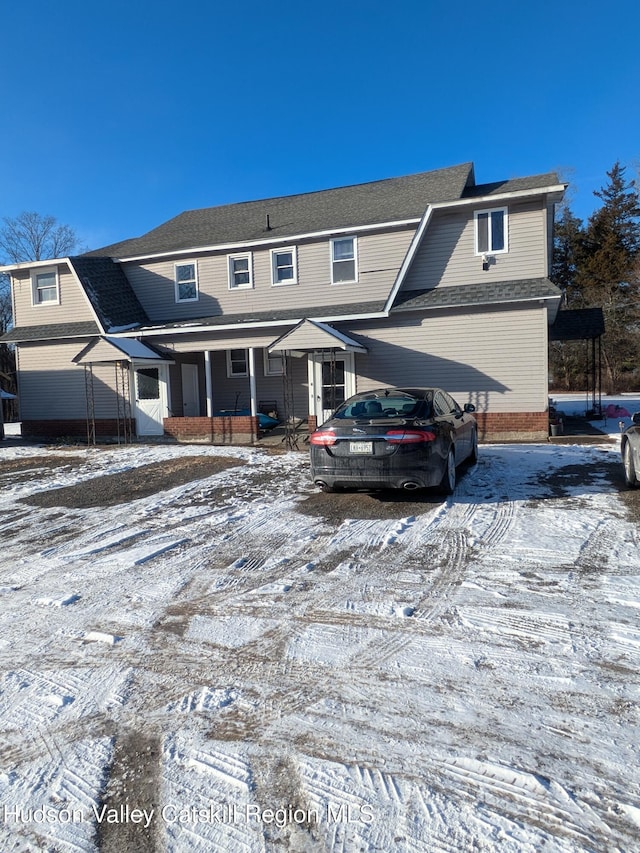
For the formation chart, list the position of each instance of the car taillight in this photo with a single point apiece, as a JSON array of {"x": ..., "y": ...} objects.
[
  {"x": 409, "y": 436},
  {"x": 324, "y": 438}
]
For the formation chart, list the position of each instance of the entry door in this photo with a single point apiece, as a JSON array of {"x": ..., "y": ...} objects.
[
  {"x": 150, "y": 400},
  {"x": 333, "y": 382},
  {"x": 190, "y": 391}
]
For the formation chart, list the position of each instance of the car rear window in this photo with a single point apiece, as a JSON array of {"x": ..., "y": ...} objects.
[{"x": 391, "y": 406}]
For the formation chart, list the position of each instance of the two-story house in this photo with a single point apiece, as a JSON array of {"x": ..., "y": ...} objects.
[{"x": 295, "y": 303}]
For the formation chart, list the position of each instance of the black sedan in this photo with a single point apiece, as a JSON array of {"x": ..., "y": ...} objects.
[
  {"x": 394, "y": 438},
  {"x": 630, "y": 449}
]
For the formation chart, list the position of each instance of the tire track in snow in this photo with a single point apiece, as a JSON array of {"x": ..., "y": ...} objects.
[{"x": 526, "y": 799}]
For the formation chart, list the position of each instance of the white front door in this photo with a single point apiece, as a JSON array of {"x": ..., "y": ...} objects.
[
  {"x": 331, "y": 381},
  {"x": 151, "y": 399},
  {"x": 190, "y": 391}
]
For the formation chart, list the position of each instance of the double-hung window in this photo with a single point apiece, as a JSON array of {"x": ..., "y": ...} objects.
[
  {"x": 491, "y": 231},
  {"x": 237, "y": 362},
  {"x": 284, "y": 266},
  {"x": 240, "y": 272},
  {"x": 186, "y": 282},
  {"x": 273, "y": 363},
  {"x": 344, "y": 259},
  {"x": 45, "y": 289}
]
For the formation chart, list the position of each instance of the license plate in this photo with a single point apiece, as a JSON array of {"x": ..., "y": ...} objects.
[{"x": 361, "y": 447}]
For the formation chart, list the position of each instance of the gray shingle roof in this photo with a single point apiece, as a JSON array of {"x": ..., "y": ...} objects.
[
  {"x": 359, "y": 309},
  {"x": 109, "y": 292},
  {"x": 51, "y": 332},
  {"x": 393, "y": 199},
  {"x": 475, "y": 294},
  {"x": 513, "y": 185}
]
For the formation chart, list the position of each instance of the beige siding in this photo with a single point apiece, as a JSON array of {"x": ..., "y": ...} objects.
[
  {"x": 219, "y": 340},
  {"x": 379, "y": 259},
  {"x": 447, "y": 256},
  {"x": 73, "y": 306},
  {"x": 51, "y": 386},
  {"x": 495, "y": 359}
]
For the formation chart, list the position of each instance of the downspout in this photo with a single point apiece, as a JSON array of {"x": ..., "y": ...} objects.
[
  {"x": 252, "y": 382},
  {"x": 207, "y": 382}
]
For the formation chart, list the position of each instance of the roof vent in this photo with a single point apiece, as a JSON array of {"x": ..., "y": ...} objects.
[{"x": 268, "y": 224}]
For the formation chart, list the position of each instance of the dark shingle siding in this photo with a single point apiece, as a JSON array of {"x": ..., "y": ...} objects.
[{"x": 109, "y": 292}]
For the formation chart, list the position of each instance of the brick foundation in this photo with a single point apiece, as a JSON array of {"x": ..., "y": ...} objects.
[
  {"x": 239, "y": 429},
  {"x": 74, "y": 428},
  {"x": 503, "y": 426},
  {"x": 512, "y": 426},
  {"x": 243, "y": 429}
]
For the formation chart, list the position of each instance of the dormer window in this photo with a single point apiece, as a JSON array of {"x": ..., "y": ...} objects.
[
  {"x": 44, "y": 286},
  {"x": 186, "y": 283},
  {"x": 491, "y": 231}
]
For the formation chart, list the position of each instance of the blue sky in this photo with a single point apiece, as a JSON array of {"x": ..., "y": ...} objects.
[{"x": 118, "y": 115}]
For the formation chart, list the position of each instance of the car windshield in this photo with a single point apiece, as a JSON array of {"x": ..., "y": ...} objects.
[{"x": 392, "y": 405}]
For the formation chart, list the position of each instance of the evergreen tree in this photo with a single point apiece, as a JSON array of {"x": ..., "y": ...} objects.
[
  {"x": 607, "y": 274},
  {"x": 568, "y": 246}
]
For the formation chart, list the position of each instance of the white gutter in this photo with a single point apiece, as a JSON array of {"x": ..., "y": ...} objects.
[
  {"x": 256, "y": 324},
  {"x": 291, "y": 238}
]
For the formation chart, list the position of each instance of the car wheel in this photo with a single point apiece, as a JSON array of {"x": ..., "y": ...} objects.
[
  {"x": 629, "y": 466},
  {"x": 328, "y": 490},
  {"x": 473, "y": 456},
  {"x": 448, "y": 482}
]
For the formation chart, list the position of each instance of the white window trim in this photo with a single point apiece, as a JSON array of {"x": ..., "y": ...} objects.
[
  {"x": 230, "y": 373},
  {"x": 266, "y": 365},
  {"x": 355, "y": 259},
  {"x": 195, "y": 298},
  {"x": 490, "y": 210},
  {"x": 34, "y": 286},
  {"x": 294, "y": 260},
  {"x": 235, "y": 257}
]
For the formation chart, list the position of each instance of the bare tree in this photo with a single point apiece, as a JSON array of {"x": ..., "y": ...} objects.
[{"x": 34, "y": 237}]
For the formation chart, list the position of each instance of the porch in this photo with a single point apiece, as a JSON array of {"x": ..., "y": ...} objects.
[{"x": 211, "y": 391}]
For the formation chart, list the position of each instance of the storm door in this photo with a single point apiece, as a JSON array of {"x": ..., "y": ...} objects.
[
  {"x": 150, "y": 400},
  {"x": 333, "y": 382}
]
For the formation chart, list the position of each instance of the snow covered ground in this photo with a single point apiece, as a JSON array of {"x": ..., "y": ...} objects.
[{"x": 242, "y": 664}]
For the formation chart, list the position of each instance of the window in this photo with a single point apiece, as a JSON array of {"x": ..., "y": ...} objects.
[
  {"x": 240, "y": 274},
  {"x": 491, "y": 230},
  {"x": 44, "y": 285},
  {"x": 343, "y": 260},
  {"x": 186, "y": 283},
  {"x": 237, "y": 362},
  {"x": 283, "y": 266},
  {"x": 148, "y": 383},
  {"x": 273, "y": 363}
]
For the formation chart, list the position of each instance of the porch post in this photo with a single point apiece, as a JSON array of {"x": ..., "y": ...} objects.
[
  {"x": 252, "y": 381},
  {"x": 207, "y": 381}
]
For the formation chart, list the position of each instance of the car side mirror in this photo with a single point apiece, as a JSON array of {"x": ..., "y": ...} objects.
[
  {"x": 636, "y": 417},
  {"x": 469, "y": 407}
]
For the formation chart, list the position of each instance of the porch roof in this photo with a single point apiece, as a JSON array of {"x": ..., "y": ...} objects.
[
  {"x": 106, "y": 350},
  {"x": 313, "y": 335}
]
